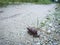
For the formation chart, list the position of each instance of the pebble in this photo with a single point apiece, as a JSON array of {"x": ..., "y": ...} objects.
[
  {"x": 1, "y": 11},
  {"x": 49, "y": 31},
  {"x": 50, "y": 24}
]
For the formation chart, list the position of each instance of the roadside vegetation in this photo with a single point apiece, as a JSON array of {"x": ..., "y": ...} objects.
[{"x": 6, "y": 2}]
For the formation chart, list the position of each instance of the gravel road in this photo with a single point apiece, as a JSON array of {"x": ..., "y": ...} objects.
[{"x": 15, "y": 18}]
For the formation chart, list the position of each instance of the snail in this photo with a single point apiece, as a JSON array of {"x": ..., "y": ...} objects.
[{"x": 33, "y": 31}]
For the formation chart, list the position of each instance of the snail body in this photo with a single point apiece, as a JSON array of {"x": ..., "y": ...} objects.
[{"x": 32, "y": 31}]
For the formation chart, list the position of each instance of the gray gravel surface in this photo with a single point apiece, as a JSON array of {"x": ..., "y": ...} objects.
[{"x": 15, "y": 18}]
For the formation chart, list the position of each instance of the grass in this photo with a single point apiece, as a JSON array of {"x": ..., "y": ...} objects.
[{"x": 6, "y": 2}]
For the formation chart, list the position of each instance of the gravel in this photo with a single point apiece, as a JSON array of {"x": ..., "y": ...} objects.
[{"x": 15, "y": 18}]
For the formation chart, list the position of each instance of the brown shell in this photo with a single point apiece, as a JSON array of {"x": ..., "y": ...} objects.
[{"x": 32, "y": 31}]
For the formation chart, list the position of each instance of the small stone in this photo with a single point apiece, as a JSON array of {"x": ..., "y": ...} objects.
[
  {"x": 49, "y": 31},
  {"x": 1, "y": 11},
  {"x": 59, "y": 23},
  {"x": 38, "y": 43},
  {"x": 50, "y": 24},
  {"x": 28, "y": 42},
  {"x": 53, "y": 29},
  {"x": 55, "y": 43}
]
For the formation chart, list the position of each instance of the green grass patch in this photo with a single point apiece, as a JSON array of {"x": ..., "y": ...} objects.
[{"x": 6, "y": 2}]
